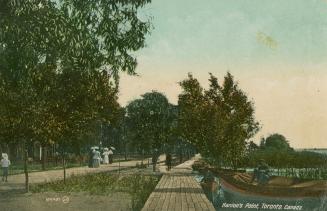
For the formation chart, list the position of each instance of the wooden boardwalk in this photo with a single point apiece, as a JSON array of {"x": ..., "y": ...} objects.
[{"x": 179, "y": 191}]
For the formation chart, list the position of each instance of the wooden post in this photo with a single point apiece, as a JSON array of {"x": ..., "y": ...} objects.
[
  {"x": 125, "y": 154},
  {"x": 26, "y": 170},
  {"x": 64, "y": 166}
]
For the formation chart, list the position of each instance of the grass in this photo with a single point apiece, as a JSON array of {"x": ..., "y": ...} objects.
[{"x": 137, "y": 185}]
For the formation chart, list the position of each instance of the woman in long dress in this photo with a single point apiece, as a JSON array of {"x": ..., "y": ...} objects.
[
  {"x": 105, "y": 156},
  {"x": 96, "y": 159},
  {"x": 111, "y": 156}
]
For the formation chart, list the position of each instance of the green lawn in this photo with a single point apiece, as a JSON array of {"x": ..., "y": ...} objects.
[{"x": 137, "y": 185}]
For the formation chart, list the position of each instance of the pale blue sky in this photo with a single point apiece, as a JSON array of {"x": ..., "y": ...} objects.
[
  {"x": 286, "y": 81},
  {"x": 224, "y": 31}
]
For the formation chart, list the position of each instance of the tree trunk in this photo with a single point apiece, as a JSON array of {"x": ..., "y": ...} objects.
[
  {"x": 12, "y": 152},
  {"x": 25, "y": 170}
]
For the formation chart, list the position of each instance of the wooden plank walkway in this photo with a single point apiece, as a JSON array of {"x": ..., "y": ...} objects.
[{"x": 178, "y": 190}]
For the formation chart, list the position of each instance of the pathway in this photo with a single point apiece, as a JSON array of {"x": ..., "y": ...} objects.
[
  {"x": 178, "y": 190},
  {"x": 18, "y": 181}
]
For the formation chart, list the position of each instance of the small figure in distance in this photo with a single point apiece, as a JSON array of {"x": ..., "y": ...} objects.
[
  {"x": 105, "y": 156},
  {"x": 5, "y": 163},
  {"x": 96, "y": 158},
  {"x": 168, "y": 161},
  {"x": 111, "y": 156}
]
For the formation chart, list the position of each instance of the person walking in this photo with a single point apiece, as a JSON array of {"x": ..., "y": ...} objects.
[
  {"x": 111, "y": 156},
  {"x": 5, "y": 163},
  {"x": 105, "y": 156},
  {"x": 95, "y": 159},
  {"x": 168, "y": 161},
  {"x": 98, "y": 155}
]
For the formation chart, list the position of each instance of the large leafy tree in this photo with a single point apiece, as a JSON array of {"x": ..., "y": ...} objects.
[
  {"x": 86, "y": 34},
  {"x": 218, "y": 121},
  {"x": 57, "y": 60},
  {"x": 41, "y": 39},
  {"x": 149, "y": 121}
]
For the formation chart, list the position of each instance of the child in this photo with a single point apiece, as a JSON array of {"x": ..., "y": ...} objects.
[{"x": 5, "y": 163}]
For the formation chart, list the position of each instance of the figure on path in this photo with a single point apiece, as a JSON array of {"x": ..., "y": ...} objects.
[
  {"x": 96, "y": 158},
  {"x": 168, "y": 161},
  {"x": 111, "y": 156},
  {"x": 5, "y": 163},
  {"x": 105, "y": 156}
]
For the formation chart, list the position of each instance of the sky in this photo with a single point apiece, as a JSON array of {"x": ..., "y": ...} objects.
[{"x": 276, "y": 50}]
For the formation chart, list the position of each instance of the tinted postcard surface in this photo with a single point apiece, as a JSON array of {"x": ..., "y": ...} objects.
[{"x": 163, "y": 105}]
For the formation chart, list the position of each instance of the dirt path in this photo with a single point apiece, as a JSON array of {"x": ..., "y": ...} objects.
[
  {"x": 13, "y": 198},
  {"x": 18, "y": 181}
]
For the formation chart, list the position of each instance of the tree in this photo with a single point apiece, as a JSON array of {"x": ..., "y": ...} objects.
[
  {"x": 191, "y": 120},
  {"x": 149, "y": 121},
  {"x": 276, "y": 141},
  {"x": 86, "y": 34},
  {"x": 252, "y": 146},
  {"x": 79, "y": 46},
  {"x": 218, "y": 121}
]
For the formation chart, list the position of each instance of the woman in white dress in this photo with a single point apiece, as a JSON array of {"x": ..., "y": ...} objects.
[{"x": 105, "y": 156}]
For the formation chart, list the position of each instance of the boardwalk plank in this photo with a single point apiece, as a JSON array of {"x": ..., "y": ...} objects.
[{"x": 179, "y": 191}]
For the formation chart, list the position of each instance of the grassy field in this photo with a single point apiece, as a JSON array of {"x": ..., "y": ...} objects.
[{"x": 138, "y": 186}]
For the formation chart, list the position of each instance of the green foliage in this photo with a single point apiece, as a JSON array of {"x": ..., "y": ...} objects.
[
  {"x": 218, "y": 121},
  {"x": 275, "y": 141},
  {"x": 150, "y": 121},
  {"x": 137, "y": 185},
  {"x": 82, "y": 34},
  {"x": 279, "y": 159},
  {"x": 58, "y": 61},
  {"x": 277, "y": 153}
]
